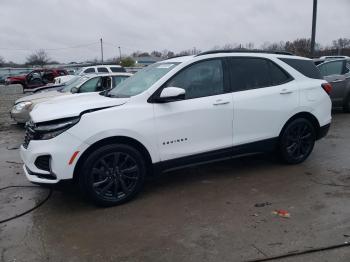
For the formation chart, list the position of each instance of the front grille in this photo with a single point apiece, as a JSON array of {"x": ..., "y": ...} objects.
[{"x": 29, "y": 134}]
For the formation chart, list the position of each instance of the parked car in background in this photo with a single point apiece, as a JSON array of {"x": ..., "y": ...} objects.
[
  {"x": 36, "y": 78},
  {"x": 337, "y": 73},
  {"x": 98, "y": 69},
  {"x": 323, "y": 59},
  {"x": 175, "y": 113},
  {"x": 89, "y": 83}
]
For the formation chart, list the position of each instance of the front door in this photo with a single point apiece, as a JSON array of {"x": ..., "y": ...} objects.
[{"x": 202, "y": 122}]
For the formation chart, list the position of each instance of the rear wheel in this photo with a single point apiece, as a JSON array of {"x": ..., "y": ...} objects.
[
  {"x": 112, "y": 175},
  {"x": 297, "y": 141}
]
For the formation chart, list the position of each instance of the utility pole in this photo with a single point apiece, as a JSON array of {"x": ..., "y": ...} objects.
[
  {"x": 120, "y": 54},
  {"x": 101, "y": 50},
  {"x": 313, "y": 33}
]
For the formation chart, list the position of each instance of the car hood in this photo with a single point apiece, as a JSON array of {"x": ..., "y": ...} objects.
[
  {"x": 39, "y": 96},
  {"x": 72, "y": 105}
]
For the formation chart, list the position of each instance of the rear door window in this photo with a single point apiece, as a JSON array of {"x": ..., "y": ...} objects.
[
  {"x": 102, "y": 70},
  {"x": 115, "y": 69},
  {"x": 89, "y": 70},
  {"x": 331, "y": 68},
  {"x": 249, "y": 73},
  {"x": 278, "y": 75}
]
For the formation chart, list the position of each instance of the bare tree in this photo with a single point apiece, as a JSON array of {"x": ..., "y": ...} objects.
[
  {"x": 301, "y": 46},
  {"x": 276, "y": 46},
  {"x": 156, "y": 53},
  {"x": 167, "y": 54},
  {"x": 39, "y": 57},
  {"x": 341, "y": 43}
]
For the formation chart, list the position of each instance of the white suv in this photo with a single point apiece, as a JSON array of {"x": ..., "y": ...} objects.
[{"x": 175, "y": 113}]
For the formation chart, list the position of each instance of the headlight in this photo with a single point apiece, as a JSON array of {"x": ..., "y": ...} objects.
[
  {"x": 51, "y": 129},
  {"x": 22, "y": 105}
]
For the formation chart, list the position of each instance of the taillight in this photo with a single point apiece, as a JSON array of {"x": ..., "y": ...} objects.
[{"x": 327, "y": 87}]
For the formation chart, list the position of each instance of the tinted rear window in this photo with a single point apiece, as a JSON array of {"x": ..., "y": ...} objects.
[
  {"x": 249, "y": 73},
  {"x": 102, "y": 70},
  {"x": 306, "y": 67},
  {"x": 117, "y": 69}
]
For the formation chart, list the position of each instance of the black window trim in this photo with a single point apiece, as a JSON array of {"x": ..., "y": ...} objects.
[
  {"x": 226, "y": 80},
  {"x": 290, "y": 77}
]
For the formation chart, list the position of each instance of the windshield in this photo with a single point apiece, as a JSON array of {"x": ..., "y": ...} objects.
[
  {"x": 142, "y": 80},
  {"x": 75, "y": 82},
  {"x": 77, "y": 72}
]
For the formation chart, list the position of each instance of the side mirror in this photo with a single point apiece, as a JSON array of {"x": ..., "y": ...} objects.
[
  {"x": 74, "y": 90},
  {"x": 170, "y": 94}
]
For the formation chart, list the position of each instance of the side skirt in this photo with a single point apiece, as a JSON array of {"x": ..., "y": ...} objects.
[{"x": 263, "y": 146}]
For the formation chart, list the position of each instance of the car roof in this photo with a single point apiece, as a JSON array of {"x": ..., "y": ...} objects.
[
  {"x": 332, "y": 60},
  {"x": 108, "y": 74},
  {"x": 182, "y": 59}
]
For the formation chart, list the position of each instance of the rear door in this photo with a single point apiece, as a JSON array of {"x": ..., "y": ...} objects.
[
  {"x": 334, "y": 73},
  {"x": 263, "y": 99}
]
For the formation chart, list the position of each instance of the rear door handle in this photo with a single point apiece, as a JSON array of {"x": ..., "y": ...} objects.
[
  {"x": 286, "y": 91},
  {"x": 221, "y": 102}
]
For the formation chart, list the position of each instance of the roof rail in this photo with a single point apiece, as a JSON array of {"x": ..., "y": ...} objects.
[{"x": 244, "y": 51}]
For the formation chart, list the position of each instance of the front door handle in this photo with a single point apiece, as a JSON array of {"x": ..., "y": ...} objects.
[
  {"x": 285, "y": 92},
  {"x": 221, "y": 102}
]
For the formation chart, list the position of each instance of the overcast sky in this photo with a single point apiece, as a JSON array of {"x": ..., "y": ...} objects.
[{"x": 159, "y": 24}]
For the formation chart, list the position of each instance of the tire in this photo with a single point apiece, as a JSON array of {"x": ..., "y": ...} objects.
[
  {"x": 297, "y": 141},
  {"x": 346, "y": 106},
  {"x": 112, "y": 175}
]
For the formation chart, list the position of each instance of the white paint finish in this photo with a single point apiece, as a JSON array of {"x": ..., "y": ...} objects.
[
  {"x": 194, "y": 126},
  {"x": 72, "y": 105},
  {"x": 172, "y": 92},
  {"x": 204, "y": 124},
  {"x": 258, "y": 113}
]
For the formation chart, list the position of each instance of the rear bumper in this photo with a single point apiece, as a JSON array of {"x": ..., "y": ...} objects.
[{"x": 323, "y": 131}]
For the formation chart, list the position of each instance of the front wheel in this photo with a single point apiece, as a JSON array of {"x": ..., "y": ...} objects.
[
  {"x": 297, "y": 141},
  {"x": 112, "y": 175}
]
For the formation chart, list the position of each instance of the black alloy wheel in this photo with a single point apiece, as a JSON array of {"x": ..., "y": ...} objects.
[
  {"x": 297, "y": 141},
  {"x": 113, "y": 174}
]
